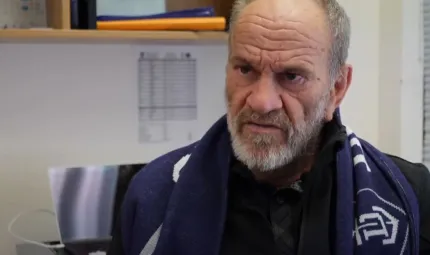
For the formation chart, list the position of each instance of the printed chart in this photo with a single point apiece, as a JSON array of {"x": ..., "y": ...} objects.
[{"x": 167, "y": 97}]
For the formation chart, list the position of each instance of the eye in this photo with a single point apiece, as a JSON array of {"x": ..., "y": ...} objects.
[
  {"x": 244, "y": 69},
  {"x": 290, "y": 78}
]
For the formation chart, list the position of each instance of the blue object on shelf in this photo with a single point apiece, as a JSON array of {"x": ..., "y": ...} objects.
[{"x": 189, "y": 13}]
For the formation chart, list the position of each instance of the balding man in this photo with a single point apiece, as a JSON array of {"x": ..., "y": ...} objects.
[{"x": 280, "y": 173}]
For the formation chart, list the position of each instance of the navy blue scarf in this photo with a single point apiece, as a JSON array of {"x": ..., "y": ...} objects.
[
  {"x": 375, "y": 200},
  {"x": 182, "y": 210}
]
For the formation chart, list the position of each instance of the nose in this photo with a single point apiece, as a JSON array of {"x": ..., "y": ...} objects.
[{"x": 264, "y": 97}]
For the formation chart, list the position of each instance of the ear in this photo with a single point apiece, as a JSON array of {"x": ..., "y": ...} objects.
[{"x": 338, "y": 92}]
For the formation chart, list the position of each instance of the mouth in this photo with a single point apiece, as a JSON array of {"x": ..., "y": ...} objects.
[{"x": 261, "y": 128}]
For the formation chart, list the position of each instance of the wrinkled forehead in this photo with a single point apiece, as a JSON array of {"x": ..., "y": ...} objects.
[{"x": 278, "y": 25}]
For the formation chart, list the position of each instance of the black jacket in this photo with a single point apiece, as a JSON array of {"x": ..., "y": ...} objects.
[
  {"x": 248, "y": 225},
  {"x": 419, "y": 177}
]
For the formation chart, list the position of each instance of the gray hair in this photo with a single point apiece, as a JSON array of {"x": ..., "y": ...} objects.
[{"x": 339, "y": 25}]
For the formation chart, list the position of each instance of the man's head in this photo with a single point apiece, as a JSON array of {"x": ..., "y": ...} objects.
[{"x": 286, "y": 75}]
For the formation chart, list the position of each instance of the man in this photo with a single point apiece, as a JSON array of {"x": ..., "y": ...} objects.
[{"x": 280, "y": 174}]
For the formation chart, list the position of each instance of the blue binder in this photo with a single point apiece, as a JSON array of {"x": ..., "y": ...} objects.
[{"x": 189, "y": 13}]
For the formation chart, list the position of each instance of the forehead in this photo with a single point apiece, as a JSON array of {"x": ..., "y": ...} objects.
[{"x": 281, "y": 30}]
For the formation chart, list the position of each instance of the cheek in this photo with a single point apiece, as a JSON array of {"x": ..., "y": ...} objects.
[
  {"x": 294, "y": 108},
  {"x": 235, "y": 95},
  {"x": 300, "y": 107}
]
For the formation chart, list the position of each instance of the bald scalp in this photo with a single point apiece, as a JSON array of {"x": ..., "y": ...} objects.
[{"x": 338, "y": 24}]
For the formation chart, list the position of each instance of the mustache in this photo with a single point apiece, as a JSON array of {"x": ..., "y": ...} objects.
[{"x": 278, "y": 119}]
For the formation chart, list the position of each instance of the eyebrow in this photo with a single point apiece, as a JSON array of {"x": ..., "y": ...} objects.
[
  {"x": 288, "y": 68},
  {"x": 239, "y": 59},
  {"x": 295, "y": 69}
]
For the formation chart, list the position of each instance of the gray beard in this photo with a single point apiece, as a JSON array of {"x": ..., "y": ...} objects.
[{"x": 264, "y": 153}]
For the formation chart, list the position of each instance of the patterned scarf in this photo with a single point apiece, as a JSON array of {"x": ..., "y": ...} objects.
[
  {"x": 375, "y": 201},
  {"x": 182, "y": 206}
]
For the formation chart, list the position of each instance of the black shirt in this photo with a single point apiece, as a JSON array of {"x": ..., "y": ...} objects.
[
  {"x": 264, "y": 221},
  {"x": 258, "y": 211}
]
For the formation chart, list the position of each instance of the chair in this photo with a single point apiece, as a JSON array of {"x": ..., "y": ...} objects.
[{"x": 126, "y": 174}]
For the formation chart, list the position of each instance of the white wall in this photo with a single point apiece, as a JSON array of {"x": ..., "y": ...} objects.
[
  {"x": 358, "y": 111},
  {"x": 411, "y": 87},
  {"x": 60, "y": 104},
  {"x": 72, "y": 105},
  {"x": 400, "y": 79},
  {"x": 390, "y": 36}
]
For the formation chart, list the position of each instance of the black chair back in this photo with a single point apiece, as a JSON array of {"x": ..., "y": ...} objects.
[{"x": 126, "y": 174}]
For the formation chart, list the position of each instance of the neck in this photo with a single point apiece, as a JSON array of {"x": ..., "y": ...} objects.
[{"x": 288, "y": 174}]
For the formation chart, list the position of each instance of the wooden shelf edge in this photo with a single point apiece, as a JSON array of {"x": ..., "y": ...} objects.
[{"x": 84, "y": 36}]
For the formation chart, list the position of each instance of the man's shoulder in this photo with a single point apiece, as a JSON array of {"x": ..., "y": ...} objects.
[
  {"x": 417, "y": 174},
  {"x": 418, "y": 177},
  {"x": 151, "y": 187},
  {"x": 163, "y": 165}
]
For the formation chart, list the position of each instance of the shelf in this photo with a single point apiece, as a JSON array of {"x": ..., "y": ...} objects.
[{"x": 98, "y": 36}]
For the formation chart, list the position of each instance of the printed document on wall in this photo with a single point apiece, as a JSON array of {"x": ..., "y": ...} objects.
[{"x": 167, "y": 97}]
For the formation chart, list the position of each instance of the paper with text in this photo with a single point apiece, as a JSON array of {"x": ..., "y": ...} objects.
[{"x": 167, "y": 97}]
